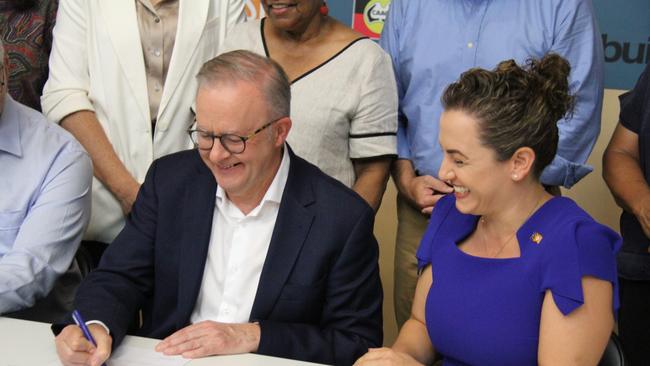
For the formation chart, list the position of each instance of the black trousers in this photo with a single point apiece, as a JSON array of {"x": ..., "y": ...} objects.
[{"x": 634, "y": 321}]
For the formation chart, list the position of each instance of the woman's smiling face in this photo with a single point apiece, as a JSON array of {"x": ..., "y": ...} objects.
[
  {"x": 291, "y": 14},
  {"x": 480, "y": 181}
]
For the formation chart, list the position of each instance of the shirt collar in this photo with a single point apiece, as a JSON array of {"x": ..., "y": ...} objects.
[
  {"x": 274, "y": 193},
  {"x": 147, "y": 4},
  {"x": 10, "y": 128}
]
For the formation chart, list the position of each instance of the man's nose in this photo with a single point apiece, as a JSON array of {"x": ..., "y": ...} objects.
[{"x": 218, "y": 152}]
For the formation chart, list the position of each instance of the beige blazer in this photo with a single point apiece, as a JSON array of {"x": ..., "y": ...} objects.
[{"x": 97, "y": 64}]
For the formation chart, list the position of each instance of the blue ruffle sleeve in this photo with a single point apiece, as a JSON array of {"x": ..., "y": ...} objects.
[
  {"x": 580, "y": 248},
  {"x": 438, "y": 216}
]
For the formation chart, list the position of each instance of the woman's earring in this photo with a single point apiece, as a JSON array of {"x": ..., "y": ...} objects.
[{"x": 324, "y": 10}]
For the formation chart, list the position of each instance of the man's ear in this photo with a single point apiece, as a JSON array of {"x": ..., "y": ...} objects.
[
  {"x": 282, "y": 128},
  {"x": 522, "y": 162}
]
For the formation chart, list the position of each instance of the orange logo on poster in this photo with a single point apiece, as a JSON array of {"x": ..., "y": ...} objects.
[
  {"x": 374, "y": 14},
  {"x": 254, "y": 9}
]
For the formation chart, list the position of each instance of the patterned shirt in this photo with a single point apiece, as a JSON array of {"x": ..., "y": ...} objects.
[{"x": 26, "y": 30}]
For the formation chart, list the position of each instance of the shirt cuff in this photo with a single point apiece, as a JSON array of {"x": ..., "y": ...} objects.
[
  {"x": 56, "y": 108},
  {"x": 562, "y": 172},
  {"x": 100, "y": 323},
  {"x": 369, "y": 146},
  {"x": 403, "y": 150}
]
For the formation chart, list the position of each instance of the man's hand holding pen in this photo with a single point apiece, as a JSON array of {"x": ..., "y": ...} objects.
[{"x": 74, "y": 349}]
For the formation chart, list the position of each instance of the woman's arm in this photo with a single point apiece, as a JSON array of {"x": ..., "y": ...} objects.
[
  {"x": 580, "y": 337},
  {"x": 107, "y": 166},
  {"x": 372, "y": 176},
  {"x": 414, "y": 339},
  {"x": 413, "y": 346}
]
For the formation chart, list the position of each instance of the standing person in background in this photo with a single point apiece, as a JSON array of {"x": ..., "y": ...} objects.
[
  {"x": 431, "y": 42},
  {"x": 344, "y": 103},
  {"x": 122, "y": 82},
  {"x": 44, "y": 209},
  {"x": 27, "y": 35},
  {"x": 626, "y": 171}
]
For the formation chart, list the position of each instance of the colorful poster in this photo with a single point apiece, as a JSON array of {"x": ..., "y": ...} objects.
[
  {"x": 369, "y": 16},
  {"x": 254, "y": 9}
]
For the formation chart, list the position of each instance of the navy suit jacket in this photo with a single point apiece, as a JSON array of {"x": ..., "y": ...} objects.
[{"x": 319, "y": 296}]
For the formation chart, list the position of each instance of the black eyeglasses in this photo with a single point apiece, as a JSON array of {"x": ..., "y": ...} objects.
[{"x": 234, "y": 144}]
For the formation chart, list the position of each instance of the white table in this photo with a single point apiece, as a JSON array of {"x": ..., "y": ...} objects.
[{"x": 26, "y": 343}]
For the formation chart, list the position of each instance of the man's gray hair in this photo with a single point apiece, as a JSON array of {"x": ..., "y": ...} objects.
[{"x": 247, "y": 66}]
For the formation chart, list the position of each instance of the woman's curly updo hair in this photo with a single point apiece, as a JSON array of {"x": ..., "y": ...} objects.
[{"x": 516, "y": 106}]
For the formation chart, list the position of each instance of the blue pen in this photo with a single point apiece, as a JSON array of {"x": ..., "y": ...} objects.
[{"x": 82, "y": 324}]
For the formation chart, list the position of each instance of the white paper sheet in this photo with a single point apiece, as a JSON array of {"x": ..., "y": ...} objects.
[{"x": 135, "y": 356}]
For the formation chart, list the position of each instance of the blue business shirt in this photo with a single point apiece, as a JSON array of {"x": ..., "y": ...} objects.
[
  {"x": 432, "y": 42},
  {"x": 45, "y": 178}
]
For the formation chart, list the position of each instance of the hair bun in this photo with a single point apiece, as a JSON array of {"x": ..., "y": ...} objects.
[{"x": 551, "y": 74}]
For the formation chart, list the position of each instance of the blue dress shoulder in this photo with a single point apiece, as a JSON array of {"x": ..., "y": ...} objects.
[{"x": 485, "y": 311}]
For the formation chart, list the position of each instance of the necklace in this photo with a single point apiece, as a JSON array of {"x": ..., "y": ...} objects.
[{"x": 511, "y": 236}]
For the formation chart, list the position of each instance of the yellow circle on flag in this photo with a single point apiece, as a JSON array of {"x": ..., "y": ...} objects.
[{"x": 374, "y": 14}]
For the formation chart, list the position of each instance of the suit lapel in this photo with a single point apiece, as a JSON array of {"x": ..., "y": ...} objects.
[
  {"x": 199, "y": 202},
  {"x": 122, "y": 23},
  {"x": 192, "y": 17},
  {"x": 291, "y": 229}
]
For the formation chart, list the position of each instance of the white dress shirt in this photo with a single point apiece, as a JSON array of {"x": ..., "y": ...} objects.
[{"x": 238, "y": 247}]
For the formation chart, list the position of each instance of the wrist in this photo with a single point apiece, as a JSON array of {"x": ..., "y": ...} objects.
[
  {"x": 403, "y": 179},
  {"x": 638, "y": 206},
  {"x": 252, "y": 337},
  {"x": 126, "y": 189}
]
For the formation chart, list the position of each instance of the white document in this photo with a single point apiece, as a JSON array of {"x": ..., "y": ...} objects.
[{"x": 134, "y": 356}]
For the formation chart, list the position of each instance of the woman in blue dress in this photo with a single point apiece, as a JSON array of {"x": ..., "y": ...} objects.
[{"x": 510, "y": 275}]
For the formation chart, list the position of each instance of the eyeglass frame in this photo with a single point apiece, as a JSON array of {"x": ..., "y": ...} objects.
[{"x": 213, "y": 136}]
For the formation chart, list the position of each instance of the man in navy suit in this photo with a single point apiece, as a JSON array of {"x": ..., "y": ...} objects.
[{"x": 239, "y": 245}]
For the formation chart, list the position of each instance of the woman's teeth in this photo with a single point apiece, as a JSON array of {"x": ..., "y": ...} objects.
[{"x": 459, "y": 189}]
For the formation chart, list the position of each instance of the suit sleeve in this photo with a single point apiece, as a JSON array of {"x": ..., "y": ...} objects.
[
  {"x": 66, "y": 90},
  {"x": 124, "y": 279},
  {"x": 351, "y": 320},
  {"x": 577, "y": 39}
]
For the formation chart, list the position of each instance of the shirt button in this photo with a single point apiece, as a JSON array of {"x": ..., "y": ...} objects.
[
  {"x": 157, "y": 20},
  {"x": 157, "y": 87},
  {"x": 470, "y": 45},
  {"x": 156, "y": 52}
]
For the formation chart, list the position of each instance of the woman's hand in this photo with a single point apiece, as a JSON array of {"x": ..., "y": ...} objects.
[{"x": 385, "y": 356}]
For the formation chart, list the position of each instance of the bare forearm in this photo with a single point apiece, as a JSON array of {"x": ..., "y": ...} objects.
[
  {"x": 107, "y": 166},
  {"x": 371, "y": 180},
  {"x": 402, "y": 172},
  {"x": 624, "y": 178}
]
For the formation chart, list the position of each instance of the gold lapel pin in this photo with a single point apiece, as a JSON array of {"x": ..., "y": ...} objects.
[{"x": 536, "y": 237}]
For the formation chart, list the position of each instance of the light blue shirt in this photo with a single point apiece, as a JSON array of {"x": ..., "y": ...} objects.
[
  {"x": 432, "y": 42},
  {"x": 45, "y": 178}
]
